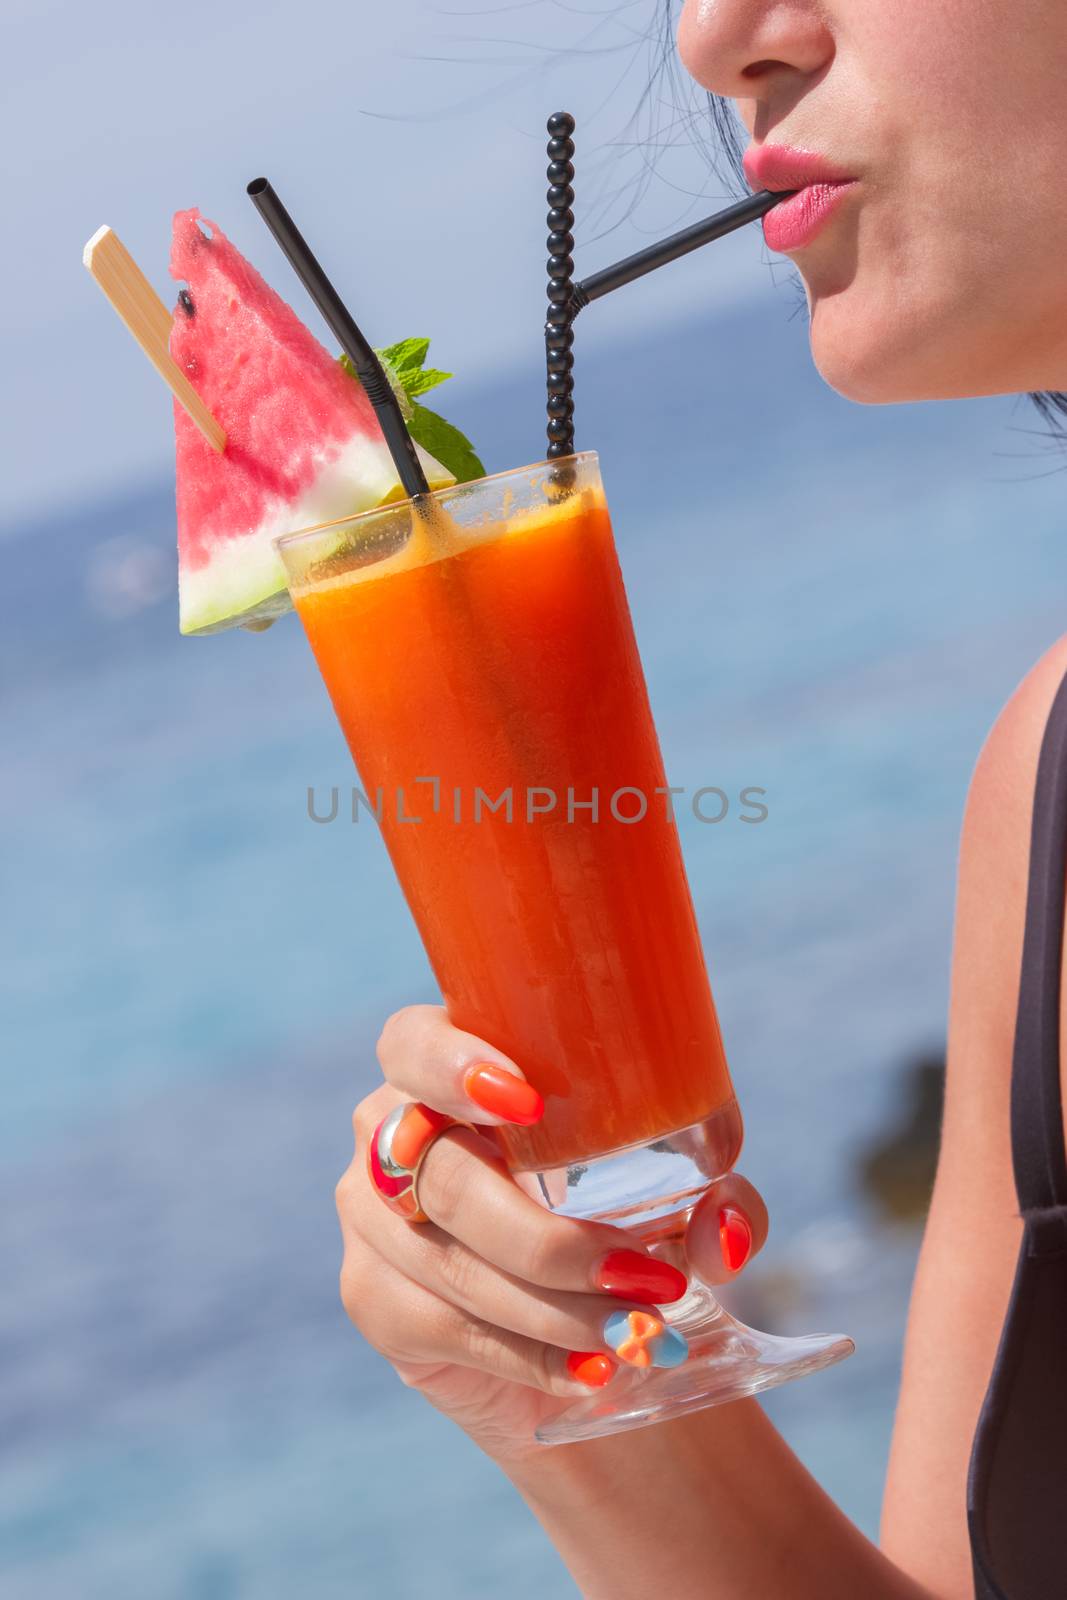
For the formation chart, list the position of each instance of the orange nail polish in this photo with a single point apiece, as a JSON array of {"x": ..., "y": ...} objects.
[
  {"x": 501, "y": 1092},
  {"x": 735, "y": 1237},
  {"x": 590, "y": 1367}
]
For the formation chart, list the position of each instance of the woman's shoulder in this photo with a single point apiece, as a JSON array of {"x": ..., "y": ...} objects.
[
  {"x": 972, "y": 1234},
  {"x": 990, "y": 917},
  {"x": 1002, "y": 786}
]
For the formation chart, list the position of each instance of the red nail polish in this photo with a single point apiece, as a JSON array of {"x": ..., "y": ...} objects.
[
  {"x": 632, "y": 1276},
  {"x": 590, "y": 1367},
  {"x": 497, "y": 1090},
  {"x": 735, "y": 1236}
]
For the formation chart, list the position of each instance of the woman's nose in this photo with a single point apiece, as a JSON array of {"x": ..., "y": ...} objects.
[{"x": 741, "y": 48}]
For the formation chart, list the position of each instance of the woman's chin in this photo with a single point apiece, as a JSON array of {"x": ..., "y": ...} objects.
[
  {"x": 867, "y": 358},
  {"x": 871, "y": 353}
]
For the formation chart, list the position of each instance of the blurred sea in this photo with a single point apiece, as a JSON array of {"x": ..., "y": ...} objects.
[{"x": 832, "y": 604}]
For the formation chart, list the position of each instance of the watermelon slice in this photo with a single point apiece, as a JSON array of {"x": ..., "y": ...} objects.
[{"x": 303, "y": 443}]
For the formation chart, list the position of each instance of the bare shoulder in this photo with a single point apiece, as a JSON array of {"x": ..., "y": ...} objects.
[
  {"x": 990, "y": 916},
  {"x": 972, "y": 1235},
  {"x": 1002, "y": 786},
  {"x": 991, "y": 900}
]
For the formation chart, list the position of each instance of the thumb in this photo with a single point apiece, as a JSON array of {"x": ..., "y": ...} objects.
[{"x": 727, "y": 1228}]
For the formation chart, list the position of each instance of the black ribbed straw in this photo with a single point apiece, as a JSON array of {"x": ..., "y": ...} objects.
[
  {"x": 335, "y": 314},
  {"x": 566, "y": 298},
  {"x": 736, "y": 216},
  {"x": 559, "y": 336}
]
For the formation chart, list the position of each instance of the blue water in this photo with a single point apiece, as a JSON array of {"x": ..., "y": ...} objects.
[{"x": 832, "y": 604}]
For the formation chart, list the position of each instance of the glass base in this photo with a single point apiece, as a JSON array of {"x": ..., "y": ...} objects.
[
  {"x": 727, "y": 1361},
  {"x": 650, "y": 1190}
]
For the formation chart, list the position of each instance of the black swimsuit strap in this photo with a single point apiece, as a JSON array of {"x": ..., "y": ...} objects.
[
  {"x": 1017, "y": 1484},
  {"x": 1036, "y": 1102}
]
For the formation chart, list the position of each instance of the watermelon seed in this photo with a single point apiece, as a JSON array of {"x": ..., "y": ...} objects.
[{"x": 185, "y": 300}]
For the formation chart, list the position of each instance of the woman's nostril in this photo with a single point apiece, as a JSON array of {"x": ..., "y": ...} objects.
[{"x": 762, "y": 69}]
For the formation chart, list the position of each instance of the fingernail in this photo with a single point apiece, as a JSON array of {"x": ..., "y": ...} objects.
[
  {"x": 646, "y": 1279},
  {"x": 590, "y": 1367},
  {"x": 735, "y": 1236},
  {"x": 497, "y": 1090},
  {"x": 642, "y": 1340}
]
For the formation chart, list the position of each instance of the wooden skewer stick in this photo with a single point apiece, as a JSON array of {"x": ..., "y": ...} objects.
[{"x": 148, "y": 319}]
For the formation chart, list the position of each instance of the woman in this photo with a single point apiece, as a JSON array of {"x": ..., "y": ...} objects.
[{"x": 931, "y": 237}]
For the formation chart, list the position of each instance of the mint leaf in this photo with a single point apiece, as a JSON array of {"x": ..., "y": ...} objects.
[
  {"x": 407, "y": 357},
  {"x": 445, "y": 443},
  {"x": 404, "y": 367},
  {"x": 419, "y": 382},
  {"x": 407, "y": 361}
]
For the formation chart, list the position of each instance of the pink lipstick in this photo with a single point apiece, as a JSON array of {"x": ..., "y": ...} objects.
[{"x": 819, "y": 189}]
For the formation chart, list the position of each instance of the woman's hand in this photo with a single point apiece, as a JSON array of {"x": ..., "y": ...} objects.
[{"x": 496, "y": 1309}]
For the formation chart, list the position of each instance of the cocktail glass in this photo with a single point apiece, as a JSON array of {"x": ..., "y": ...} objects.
[{"x": 479, "y": 653}]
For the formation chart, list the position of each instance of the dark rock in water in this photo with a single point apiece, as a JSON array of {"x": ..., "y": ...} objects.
[{"x": 897, "y": 1170}]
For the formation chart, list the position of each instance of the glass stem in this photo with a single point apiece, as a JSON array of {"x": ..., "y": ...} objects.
[{"x": 698, "y": 1307}]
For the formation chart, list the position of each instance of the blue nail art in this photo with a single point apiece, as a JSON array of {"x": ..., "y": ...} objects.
[{"x": 643, "y": 1340}]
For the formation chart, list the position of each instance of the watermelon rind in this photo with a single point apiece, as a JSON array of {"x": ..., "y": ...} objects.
[{"x": 245, "y": 581}]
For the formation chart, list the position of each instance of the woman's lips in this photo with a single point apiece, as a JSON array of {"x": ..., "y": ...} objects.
[
  {"x": 818, "y": 187},
  {"x": 794, "y": 222}
]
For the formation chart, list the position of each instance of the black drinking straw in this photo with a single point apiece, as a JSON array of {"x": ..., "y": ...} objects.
[
  {"x": 335, "y": 314},
  {"x": 559, "y": 336},
  {"x": 566, "y": 298},
  {"x": 736, "y": 216}
]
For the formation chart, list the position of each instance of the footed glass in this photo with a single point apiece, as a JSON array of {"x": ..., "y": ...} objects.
[{"x": 479, "y": 653}]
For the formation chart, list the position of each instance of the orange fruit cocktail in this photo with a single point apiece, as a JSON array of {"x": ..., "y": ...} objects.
[
  {"x": 478, "y": 649},
  {"x": 487, "y": 679}
]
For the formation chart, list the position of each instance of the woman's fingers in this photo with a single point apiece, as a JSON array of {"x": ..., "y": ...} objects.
[
  {"x": 727, "y": 1228},
  {"x": 495, "y": 1282},
  {"x": 465, "y": 1189},
  {"x": 413, "y": 1327},
  {"x": 585, "y": 1322},
  {"x": 423, "y": 1056}
]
